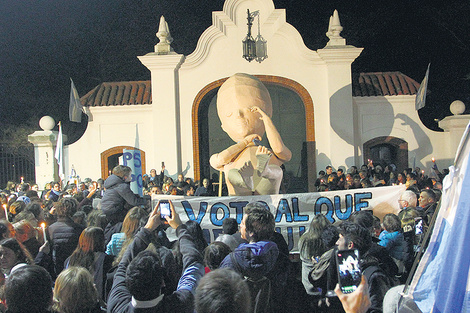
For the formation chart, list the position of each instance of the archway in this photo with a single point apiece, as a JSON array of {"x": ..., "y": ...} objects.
[
  {"x": 387, "y": 150},
  {"x": 110, "y": 158},
  {"x": 302, "y": 166}
]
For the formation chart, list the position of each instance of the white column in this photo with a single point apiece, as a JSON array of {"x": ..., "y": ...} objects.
[
  {"x": 455, "y": 126},
  {"x": 44, "y": 142},
  {"x": 166, "y": 109},
  {"x": 340, "y": 144}
]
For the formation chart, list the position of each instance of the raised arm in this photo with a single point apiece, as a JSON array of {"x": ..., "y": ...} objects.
[
  {"x": 218, "y": 160},
  {"x": 275, "y": 141},
  {"x": 120, "y": 297},
  {"x": 193, "y": 269}
]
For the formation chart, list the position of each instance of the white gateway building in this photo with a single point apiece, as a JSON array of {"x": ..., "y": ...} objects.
[{"x": 324, "y": 113}]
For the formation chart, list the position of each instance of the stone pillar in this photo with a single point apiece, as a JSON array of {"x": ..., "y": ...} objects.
[
  {"x": 44, "y": 142},
  {"x": 164, "y": 65},
  {"x": 166, "y": 108},
  {"x": 341, "y": 142},
  {"x": 455, "y": 125}
]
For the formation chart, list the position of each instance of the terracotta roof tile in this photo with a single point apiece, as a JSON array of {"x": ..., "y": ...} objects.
[
  {"x": 383, "y": 84},
  {"x": 119, "y": 93},
  {"x": 139, "y": 92}
]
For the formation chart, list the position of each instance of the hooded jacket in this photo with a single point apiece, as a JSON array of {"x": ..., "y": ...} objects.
[
  {"x": 254, "y": 260},
  {"x": 395, "y": 244},
  {"x": 118, "y": 199}
]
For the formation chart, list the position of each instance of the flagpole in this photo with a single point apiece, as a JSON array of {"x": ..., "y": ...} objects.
[{"x": 59, "y": 154}]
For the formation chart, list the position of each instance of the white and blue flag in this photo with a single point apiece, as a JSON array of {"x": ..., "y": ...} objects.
[
  {"x": 420, "y": 100},
  {"x": 441, "y": 282},
  {"x": 59, "y": 152}
]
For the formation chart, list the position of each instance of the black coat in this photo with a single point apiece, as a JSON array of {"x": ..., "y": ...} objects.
[
  {"x": 118, "y": 199},
  {"x": 63, "y": 236}
]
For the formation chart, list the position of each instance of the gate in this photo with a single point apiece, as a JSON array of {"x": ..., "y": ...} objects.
[{"x": 16, "y": 163}]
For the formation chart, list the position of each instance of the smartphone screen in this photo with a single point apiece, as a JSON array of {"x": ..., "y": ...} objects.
[
  {"x": 164, "y": 209},
  {"x": 349, "y": 272}
]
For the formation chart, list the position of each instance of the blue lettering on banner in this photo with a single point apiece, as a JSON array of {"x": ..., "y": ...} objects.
[
  {"x": 189, "y": 211},
  {"x": 139, "y": 181},
  {"x": 298, "y": 209},
  {"x": 283, "y": 208},
  {"x": 329, "y": 208},
  {"x": 214, "y": 209},
  {"x": 290, "y": 238},
  {"x": 339, "y": 213},
  {"x": 358, "y": 197},
  {"x": 238, "y": 205},
  {"x": 295, "y": 208},
  {"x": 126, "y": 156},
  {"x": 137, "y": 161}
]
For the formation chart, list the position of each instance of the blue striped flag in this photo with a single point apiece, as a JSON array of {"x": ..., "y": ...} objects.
[{"x": 441, "y": 282}]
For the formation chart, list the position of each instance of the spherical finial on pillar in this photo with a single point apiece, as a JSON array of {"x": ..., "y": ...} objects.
[
  {"x": 457, "y": 107},
  {"x": 46, "y": 123}
]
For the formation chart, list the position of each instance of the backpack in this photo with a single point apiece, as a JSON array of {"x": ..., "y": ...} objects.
[{"x": 260, "y": 290}]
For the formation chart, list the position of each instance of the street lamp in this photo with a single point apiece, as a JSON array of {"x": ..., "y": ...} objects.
[{"x": 254, "y": 49}]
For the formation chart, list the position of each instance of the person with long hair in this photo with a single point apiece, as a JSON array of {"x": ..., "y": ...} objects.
[
  {"x": 311, "y": 247},
  {"x": 90, "y": 255},
  {"x": 132, "y": 222},
  {"x": 13, "y": 256},
  {"x": 74, "y": 292}
]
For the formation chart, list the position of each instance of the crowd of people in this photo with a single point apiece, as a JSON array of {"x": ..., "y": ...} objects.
[
  {"x": 376, "y": 176},
  {"x": 62, "y": 250}
]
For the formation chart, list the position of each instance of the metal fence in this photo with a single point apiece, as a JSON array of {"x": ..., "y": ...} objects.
[{"x": 16, "y": 163}]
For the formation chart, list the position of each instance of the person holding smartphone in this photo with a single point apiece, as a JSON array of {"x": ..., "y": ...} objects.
[
  {"x": 139, "y": 278},
  {"x": 353, "y": 236},
  {"x": 356, "y": 302}
]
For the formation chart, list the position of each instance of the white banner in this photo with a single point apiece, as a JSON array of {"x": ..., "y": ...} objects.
[{"x": 292, "y": 212}]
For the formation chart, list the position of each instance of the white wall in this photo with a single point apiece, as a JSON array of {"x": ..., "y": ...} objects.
[
  {"x": 396, "y": 116},
  {"x": 109, "y": 127}
]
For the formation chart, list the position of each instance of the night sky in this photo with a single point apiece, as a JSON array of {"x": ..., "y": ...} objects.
[{"x": 44, "y": 42}]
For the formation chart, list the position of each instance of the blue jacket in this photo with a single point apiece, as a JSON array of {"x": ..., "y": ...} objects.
[
  {"x": 395, "y": 244},
  {"x": 255, "y": 259}
]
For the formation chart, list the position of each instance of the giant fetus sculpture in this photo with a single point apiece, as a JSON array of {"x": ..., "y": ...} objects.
[{"x": 244, "y": 107}]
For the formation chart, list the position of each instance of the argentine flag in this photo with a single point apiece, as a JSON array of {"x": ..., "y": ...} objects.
[{"x": 441, "y": 282}]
